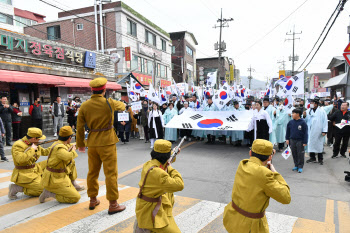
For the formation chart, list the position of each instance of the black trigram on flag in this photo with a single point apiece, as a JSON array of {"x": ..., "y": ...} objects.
[
  {"x": 195, "y": 117},
  {"x": 187, "y": 126},
  {"x": 232, "y": 118}
]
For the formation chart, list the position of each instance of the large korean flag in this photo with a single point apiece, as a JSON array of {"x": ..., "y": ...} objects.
[
  {"x": 288, "y": 104},
  {"x": 295, "y": 85}
]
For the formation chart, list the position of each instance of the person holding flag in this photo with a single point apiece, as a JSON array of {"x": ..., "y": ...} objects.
[
  {"x": 210, "y": 133},
  {"x": 261, "y": 123},
  {"x": 282, "y": 120},
  {"x": 272, "y": 113},
  {"x": 170, "y": 133},
  {"x": 236, "y": 137}
]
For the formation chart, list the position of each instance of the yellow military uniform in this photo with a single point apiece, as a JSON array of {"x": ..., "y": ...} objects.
[
  {"x": 159, "y": 183},
  {"x": 60, "y": 183},
  {"x": 30, "y": 178},
  {"x": 253, "y": 186},
  {"x": 97, "y": 115},
  {"x": 133, "y": 122}
]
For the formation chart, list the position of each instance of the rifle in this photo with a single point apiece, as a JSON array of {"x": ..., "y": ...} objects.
[
  {"x": 46, "y": 142},
  {"x": 175, "y": 152}
]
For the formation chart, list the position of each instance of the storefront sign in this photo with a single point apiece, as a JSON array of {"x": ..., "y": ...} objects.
[
  {"x": 143, "y": 79},
  {"x": 46, "y": 51},
  {"x": 127, "y": 54},
  {"x": 316, "y": 81},
  {"x": 165, "y": 83}
]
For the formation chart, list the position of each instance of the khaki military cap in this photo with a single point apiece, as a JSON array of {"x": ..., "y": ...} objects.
[
  {"x": 98, "y": 84},
  {"x": 65, "y": 131},
  {"x": 36, "y": 133},
  {"x": 262, "y": 147},
  {"x": 162, "y": 146}
]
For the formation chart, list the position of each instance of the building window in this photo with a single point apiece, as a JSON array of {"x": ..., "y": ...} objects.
[
  {"x": 134, "y": 63},
  {"x": 23, "y": 22},
  {"x": 9, "y": 2},
  {"x": 151, "y": 38},
  {"x": 163, "y": 45},
  {"x": 189, "y": 51},
  {"x": 161, "y": 71},
  {"x": 80, "y": 26},
  {"x": 54, "y": 32},
  {"x": 132, "y": 28},
  {"x": 149, "y": 67},
  {"x": 173, "y": 49},
  {"x": 4, "y": 18}
]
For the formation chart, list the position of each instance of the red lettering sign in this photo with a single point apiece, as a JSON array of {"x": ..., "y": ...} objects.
[
  {"x": 315, "y": 81},
  {"x": 37, "y": 48},
  {"x": 127, "y": 54},
  {"x": 143, "y": 79},
  {"x": 165, "y": 83}
]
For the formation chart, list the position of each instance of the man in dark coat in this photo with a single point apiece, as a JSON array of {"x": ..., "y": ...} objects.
[
  {"x": 341, "y": 134},
  {"x": 331, "y": 127},
  {"x": 123, "y": 126},
  {"x": 5, "y": 114}
]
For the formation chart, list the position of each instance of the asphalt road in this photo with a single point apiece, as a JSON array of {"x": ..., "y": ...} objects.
[{"x": 209, "y": 170}]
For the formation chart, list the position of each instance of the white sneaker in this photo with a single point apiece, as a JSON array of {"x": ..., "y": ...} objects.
[
  {"x": 55, "y": 135},
  {"x": 151, "y": 147}
]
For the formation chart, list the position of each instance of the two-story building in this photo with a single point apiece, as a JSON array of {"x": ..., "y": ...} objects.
[{"x": 124, "y": 29}]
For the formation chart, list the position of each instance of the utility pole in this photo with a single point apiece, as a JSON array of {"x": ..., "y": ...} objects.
[
  {"x": 250, "y": 69},
  {"x": 294, "y": 57},
  {"x": 283, "y": 64},
  {"x": 221, "y": 45}
]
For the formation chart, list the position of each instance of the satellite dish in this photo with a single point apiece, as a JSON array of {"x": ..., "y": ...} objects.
[{"x": 115, "y": 57}]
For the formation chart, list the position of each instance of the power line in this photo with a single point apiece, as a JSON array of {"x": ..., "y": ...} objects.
[
  {"x": 320, "y": 35},
  {"x": 216, "y": 16},
  {"x": 330, "y": 27},
  {"x": 244, "y": 51}
]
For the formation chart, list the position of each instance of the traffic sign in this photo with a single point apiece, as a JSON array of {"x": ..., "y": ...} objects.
[
  {"x": 347, "y": 57},
  {"x": 347, "y": 49}
]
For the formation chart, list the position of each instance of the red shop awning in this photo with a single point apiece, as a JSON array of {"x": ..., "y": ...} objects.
[
  {"x": 81, "y": 82},
  {"x": 12, "y": 76}
]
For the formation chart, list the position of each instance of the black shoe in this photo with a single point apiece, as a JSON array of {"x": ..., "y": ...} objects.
[
  {"x": 311, "y": 161},
  {"x": 146, "y": 141},
  {"x": 8, "y": 144},
  {"x": 321, "y": 162},
  {"x": 344, "y": 156},
  {"x": 334, "y": 156},
  {"x": 4, "y": 159}
]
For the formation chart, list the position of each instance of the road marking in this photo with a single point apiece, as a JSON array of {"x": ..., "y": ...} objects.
[
  {"x": 5, "y": 174},
  {"x": 214, "y": 226},
  {"x": 5, "y": 184},
  {"x": 195, "y": 218},
  {"x": 280, "y": 223},
  {"x": 102, "y": 218},
  {"x": 329, "y": 218},
  {"x": 6, "y": 178},
  {"x": 57, "y": 214},
  {"x": 344, "y": 217}
]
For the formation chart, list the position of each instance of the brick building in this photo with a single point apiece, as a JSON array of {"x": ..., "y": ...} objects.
[
  {"x": 183, "y": 57},
  {"x": 339, "y": 76},
  {"x": 124, "y": 27},
  {"x": 14, "y": 19},
  {"x": 211, "y": 64},
  {"x": 33, "y": 68}
]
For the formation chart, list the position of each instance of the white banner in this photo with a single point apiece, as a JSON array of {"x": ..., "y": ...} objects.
[
  {"x": 212, "y": 120},
  {"x": 123, "y": 116},
  {"x": 136, "y": 106}
]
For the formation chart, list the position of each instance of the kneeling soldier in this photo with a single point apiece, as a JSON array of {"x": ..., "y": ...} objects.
[
  {"x": 60, "y": 174},
  {"x": 253, "y": 186},
  {"x": 27, "y": 173},
  {"x": 155, "y": 201}
]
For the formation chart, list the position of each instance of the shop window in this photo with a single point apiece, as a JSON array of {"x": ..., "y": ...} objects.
[
  {"x": 163, "y": 45},
  {"x": 80, "y": 26},
  {"x": 54, "y": 32},
  {"x": 131, "y": 28},
  {"x": 4, "y": 18},
  {"x": 151, "y": 38}
]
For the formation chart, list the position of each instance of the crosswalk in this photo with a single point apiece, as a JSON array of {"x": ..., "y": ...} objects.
[{"x": 26, "y": 214}]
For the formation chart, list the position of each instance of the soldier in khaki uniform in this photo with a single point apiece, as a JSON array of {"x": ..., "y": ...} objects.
[
  {"x": 98, "y": 114},
  {"x": 253, "y": 186},
  {"x": 59, "y": 178},
  {"x": 154, "y": 205},
  {"x": 27, "y": 173}
]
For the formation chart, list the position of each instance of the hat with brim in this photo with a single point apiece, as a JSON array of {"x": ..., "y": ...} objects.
[
  {"x": 35, "y": 133},
  {"x": 162, "y": 146},
  {"x": 98, "y": 84},
  {"x": 66, "y": 131},
  {"x": 262, "y": 147}
]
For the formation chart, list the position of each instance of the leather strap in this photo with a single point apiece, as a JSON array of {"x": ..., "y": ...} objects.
[
  {"x": 110, "y": 125},
  {"x": 248, "y": 214},
  {"x": 60, "y": 170},
  {"x": 25, "y": 167},
  {"x": 158, "y": 200}
]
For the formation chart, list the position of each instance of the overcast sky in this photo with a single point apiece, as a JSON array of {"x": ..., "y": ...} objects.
[{"x": 253, "y": 19}]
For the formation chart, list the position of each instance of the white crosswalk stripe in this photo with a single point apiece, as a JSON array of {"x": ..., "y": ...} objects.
[
  {"x": 5, "y": 174},
  {"x": 103, "y": 221},
  {"x": 5, "y": 184}
]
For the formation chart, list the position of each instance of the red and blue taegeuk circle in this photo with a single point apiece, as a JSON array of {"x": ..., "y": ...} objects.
[
  {"x": 209, "y": 123},
  {"x": 286, "y": 102},
  {"x": 286, "y": 152},
  {"x": 138, "y": 86},
  {"x": 163, "y": 97},
  {"x": 132, "y": 93},
  {"x": 289, "y": 85},
  {"x": 223, "y": 95}
]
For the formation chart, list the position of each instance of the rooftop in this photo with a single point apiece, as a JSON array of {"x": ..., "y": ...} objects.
[{"x": 29, "y": 15}]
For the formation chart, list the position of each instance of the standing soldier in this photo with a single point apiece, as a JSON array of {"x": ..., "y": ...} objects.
[
  {"x": 154, "y": 205},
  {"x": 253, "y": 186},
  {"x": 27, "y": 173},
  {"x": 59, "y": 178},
  {"x": 98, "y": 114}
]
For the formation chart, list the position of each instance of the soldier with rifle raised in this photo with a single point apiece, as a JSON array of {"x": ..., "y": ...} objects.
[
  {"x": 159, "y": 180},
  {"x": 27, "y": 172}
]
